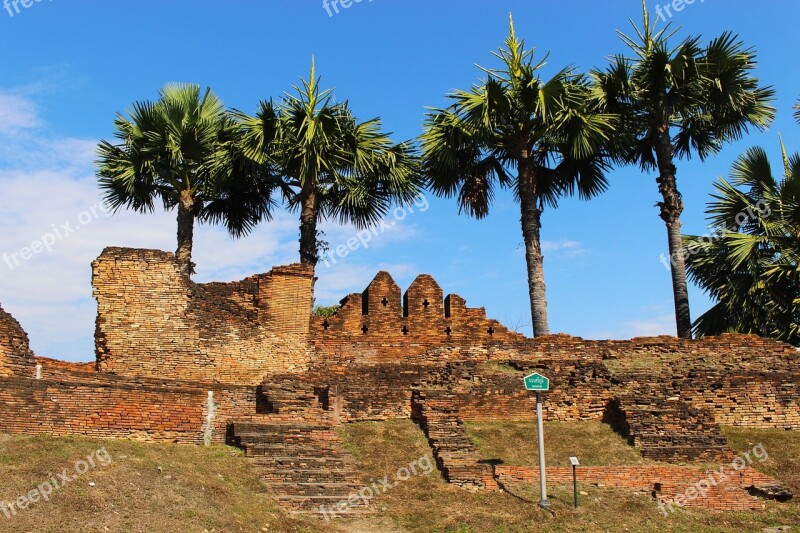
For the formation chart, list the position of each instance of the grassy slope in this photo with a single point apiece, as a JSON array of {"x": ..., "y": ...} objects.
[
  {"x": 197, "y": 489},
  {"x": 214, "y": 489},
  {"x": 428, "y": 504},
  {"x": 515, "y": 443}
]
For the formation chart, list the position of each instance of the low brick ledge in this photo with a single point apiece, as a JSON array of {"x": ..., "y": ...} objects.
[{"x": 665, "y": 483}]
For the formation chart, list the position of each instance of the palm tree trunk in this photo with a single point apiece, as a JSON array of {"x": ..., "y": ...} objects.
[
  {"x": 308, "y": 228},
  {"x": 671, "y": 209},
  {"x": 186, "y": 215},
  {"x": 531, "y": 226}
]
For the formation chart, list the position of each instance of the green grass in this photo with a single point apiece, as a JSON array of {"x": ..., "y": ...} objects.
[
  {"x": 783, "y": 450},
  {"x": 594, "y": 443}
]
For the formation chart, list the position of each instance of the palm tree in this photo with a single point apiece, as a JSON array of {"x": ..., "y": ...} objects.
[
  {"x": 176, "y": 150},
  {"x": 676, "y": 101},
  {"x": 750, "y": 264},
  {"x": 541, "y": 139},
  {"x": 327, "y": 164}
]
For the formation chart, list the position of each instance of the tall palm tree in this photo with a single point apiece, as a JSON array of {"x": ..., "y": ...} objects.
[
  {"x": 750, "y": 265},
  {"x": 171, "y": 151},
  {"x": 541, "y": 139},
  {"x": 327, "y": 164},
  {"x": 677, "y": 100}
]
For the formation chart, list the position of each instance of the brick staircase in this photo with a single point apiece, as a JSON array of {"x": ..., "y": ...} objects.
[
  {"x": 304, "y": 464},
  {"x": 293, "y": 445},
  {"x": 666, "y": 429},
  {"x": 456, "y": 457}
]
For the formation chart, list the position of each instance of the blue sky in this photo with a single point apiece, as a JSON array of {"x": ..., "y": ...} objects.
[{"x": 68, "y": 66}]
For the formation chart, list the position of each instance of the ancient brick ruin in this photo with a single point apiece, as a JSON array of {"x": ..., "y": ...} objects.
[{"x": 246, "y": 363}]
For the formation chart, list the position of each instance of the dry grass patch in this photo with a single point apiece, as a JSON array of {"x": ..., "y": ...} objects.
[{"x": 145, "y": 488}]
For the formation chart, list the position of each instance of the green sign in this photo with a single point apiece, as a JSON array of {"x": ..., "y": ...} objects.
[{"x": 537, "y": 382}]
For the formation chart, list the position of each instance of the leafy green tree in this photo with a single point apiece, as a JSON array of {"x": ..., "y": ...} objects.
[
  {"x": 542, "y": 139},
  {"x": 677, "y": 100},
  {"x": 326, "y": 163},
  {"x": 326, "y": 310},
  {"x": 749, "y": 265},
  {"x": 176, "y": 150}
]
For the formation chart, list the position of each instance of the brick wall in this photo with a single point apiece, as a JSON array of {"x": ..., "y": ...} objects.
[
  {"x": 159, "y": 332},
  {"x": 740, "y": 380},
  {"x": 110, "y": 407},
  {"x": 16, "y": 356},
  {"x": 665, "y": 483},
  {"x": 153, "y": 322}
]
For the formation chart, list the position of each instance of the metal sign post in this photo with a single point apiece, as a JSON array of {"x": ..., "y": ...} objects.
[
  {"x": 575, "y": 465},
  {"x": 539, "y": 383}
]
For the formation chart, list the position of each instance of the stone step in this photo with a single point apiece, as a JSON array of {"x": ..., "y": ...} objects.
[
  {"x": 676, "y": 438},
  {"x": 340, "y": 491},
  {"x": 313, "y": 503},
  {"x": 278, "y": 427},
  {"x": 689, "y": 451},
  {"x": 291, "y": 440},
  {"x": 307, "y": 476},
  {"x": 447, "y": 435},
  {"x": 329, "y": 514},
  {"x": 281, "y": 450},
  {"x": 286, "y": 461},
  {"x": 300, "y": 445}
]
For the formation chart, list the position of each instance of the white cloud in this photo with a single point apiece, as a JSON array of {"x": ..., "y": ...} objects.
[
  {"x": 17, "y": 113},
  {"x": 651, "y": 327},
  {"x": 345, "y": 278},
  {"x": 564, "y": 247},
  {"x": 651, "y": 321}
]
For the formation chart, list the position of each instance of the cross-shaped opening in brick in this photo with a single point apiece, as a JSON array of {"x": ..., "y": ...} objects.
[
  {"x": 425, "y": 303},
  {"x": 490, "y": 331},
  {"x": 405, "y": 330},
  {"x": 448, "y": 331},
  {"x": 385, "y": 302},
  {"x": 364, "y": 329}
]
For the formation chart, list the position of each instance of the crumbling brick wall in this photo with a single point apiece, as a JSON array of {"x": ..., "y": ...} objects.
[
  {"x": 16, "y": 356},
  {"x": 154, "y": 322},
  {"x": 741, "y": 380},
  {"x": 378, "y": 325}
]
